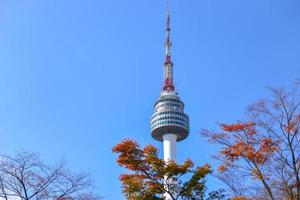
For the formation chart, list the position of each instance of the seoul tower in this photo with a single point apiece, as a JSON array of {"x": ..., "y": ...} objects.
[{"x": 169, "y": 123}]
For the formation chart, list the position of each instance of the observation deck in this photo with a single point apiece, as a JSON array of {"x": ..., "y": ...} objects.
[{"x": 169, "y": 117}]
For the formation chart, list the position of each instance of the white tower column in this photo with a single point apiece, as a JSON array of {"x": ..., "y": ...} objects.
[{"x": 169, "y": 142}]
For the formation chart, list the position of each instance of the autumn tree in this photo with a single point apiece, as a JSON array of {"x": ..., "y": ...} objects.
[
  {"x": 150, "y": 177},
  {"x": 24, "y": 176},
  {"x": 262, "y": 152}
]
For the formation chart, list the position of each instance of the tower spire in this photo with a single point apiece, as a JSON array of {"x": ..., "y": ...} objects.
[{"x": 168, "y": 66}]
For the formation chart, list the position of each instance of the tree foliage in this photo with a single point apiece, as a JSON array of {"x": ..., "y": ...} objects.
[
  {"x": 151, "y": 177},
  {"x": 25, "y": 176},
  {"x": 262, "y": 153}
]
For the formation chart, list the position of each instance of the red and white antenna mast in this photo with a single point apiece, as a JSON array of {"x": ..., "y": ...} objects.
[{"x": 168, "y": 66}]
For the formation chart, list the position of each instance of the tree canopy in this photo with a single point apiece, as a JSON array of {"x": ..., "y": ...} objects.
[
  {"x": 24, "y": 176},
  {"x": 150, "y": 177},
  {"x": 260, "y": 155}
]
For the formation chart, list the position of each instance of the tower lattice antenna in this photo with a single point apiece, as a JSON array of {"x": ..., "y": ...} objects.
[
  {"x": 168, "y": 82},
  {"x": 168, "y": 30}
]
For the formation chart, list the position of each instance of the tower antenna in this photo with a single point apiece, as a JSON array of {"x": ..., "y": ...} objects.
[
  {"x": 168, "y": 76},
  {"x": 168, "y": 6}
]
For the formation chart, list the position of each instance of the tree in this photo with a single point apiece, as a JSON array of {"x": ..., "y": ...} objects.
[
  {"x": 25, "y": 176},
  {"x": 264, "y": 147},
  {"x": 151, "y": 177}
]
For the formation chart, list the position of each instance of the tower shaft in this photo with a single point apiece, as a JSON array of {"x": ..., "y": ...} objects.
[{"x": 169, "y": 142}]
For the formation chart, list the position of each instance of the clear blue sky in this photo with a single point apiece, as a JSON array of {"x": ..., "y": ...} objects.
[{"x": 78, "y": 76}]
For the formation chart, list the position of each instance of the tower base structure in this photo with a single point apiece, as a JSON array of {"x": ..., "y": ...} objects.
[{"x": 169, "y": 143}]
